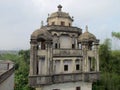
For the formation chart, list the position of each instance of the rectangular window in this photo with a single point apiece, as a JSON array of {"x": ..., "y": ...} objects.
[
  {"x": 56, "y": 45},
  {"x": 69, "y": 24},
  {"x": 73, "y": 46},
  {"x": 43, "y": 45},
  {"x": 77, "y": 67},
  {"x": 62, "y": 23},
  {"x": 78, "y": 88},
  {"x": 65, "y": 67},
  {"x": 53, "y": 23}
]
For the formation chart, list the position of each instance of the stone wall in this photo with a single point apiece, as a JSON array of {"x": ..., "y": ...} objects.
[
  {"x": 8, "y": 84},
  {"x": 6, "y": 75},
  {"x": 68, "y": 86}
]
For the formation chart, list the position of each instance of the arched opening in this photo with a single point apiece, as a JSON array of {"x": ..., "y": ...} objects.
[
  {"x": 62, "y": 23},
  {"x": 41, "y": 44},
  {"x": 55, "y": 41}
]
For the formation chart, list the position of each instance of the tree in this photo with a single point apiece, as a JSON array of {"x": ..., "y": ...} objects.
[
  {"x": 21, "y": 61},
  {"x": 105, "y": 54},
  {"x": 116, "y": 34},
  {"x": 109, "y": 67}
]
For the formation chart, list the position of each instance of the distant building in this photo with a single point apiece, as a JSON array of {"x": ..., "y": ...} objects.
[
  {"x": 6, "y": 75},
  {"x": 62, "y": 57}
]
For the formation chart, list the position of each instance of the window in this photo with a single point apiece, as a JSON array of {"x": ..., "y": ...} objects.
[
  {"x": 77, "y": 67},
  {"x": 62, "y": 23},
  {"x": 43, "y": 45},
  {"x": 80, "y": 46},
  {"x": 73, "y": 45},
  {"x": 78, "y": 88},
  {"x": 53, "y": 23},
  {"x": 55, "y": 45},
  {"x": 69, "y": 24},
  {"x": 40, "y": 64},
  {"x": 65, "y": 67},
  {"x": 59, "y": 45}
]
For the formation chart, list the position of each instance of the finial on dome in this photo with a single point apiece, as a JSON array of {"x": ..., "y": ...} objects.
[
  {"x": 86, "y": 28},
  {"x": 59, "y": 7}
]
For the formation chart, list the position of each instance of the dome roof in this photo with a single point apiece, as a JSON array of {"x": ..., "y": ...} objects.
[
  {"x": 41, "y": 33},
  {"x": 60, "y": 14},
  {"x": 86, "y": 36}
]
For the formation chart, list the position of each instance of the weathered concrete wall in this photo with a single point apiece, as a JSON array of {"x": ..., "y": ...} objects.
[
  {"x": 8, "y": 84},
  {"x": 68, "y": 86},
  {"x": 6, "y": 75}
]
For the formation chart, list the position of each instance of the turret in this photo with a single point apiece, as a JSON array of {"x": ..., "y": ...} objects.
[{"x": 60, "y": 18}]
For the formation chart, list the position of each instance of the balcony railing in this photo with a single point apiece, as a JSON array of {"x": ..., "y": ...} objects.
[
  {"x": 42, "y": 52},
  {"x": 60, "y": 78},
  {"x": 67, "y": 52},
  {"x": 37, "y": 80},
  {"x": 6, "y": 74}
]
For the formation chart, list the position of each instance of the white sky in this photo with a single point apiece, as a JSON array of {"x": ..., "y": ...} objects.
[{"x": 19, "y": 18}]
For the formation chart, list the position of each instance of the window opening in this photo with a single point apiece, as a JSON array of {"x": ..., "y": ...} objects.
[
  {"x": 73, "y": 46},
  {"x": 69, "y": 24},
  {"x": 65, "y": 67},
  {"x": 78, "y": 88},
  {"x": 77, "y": 67},
  {"x": 55, "y": 45},
  {"x": 43, "y": 45},
  {"x": 62, "y": 23},
  {"x": 53, "y": 23}
]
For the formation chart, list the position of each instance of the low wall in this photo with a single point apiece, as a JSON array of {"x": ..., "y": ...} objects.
[{"x": 6, "y": 75}]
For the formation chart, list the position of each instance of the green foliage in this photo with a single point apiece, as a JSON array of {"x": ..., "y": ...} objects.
[
  {"x": 109, "y": 67},
  {"x": 116, "y": 34},
  {"x": 21, "y": 68},
  {"x": 105, "y": 55}
]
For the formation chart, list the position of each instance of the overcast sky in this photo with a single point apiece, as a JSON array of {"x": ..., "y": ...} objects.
[{"x": 19, "y": 18}]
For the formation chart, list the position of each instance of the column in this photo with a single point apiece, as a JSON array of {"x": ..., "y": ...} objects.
[
  {"x": 51, "y": 60},
  {"x": 97, "y": 58},
  {"x": 61, "y": 66},
  {"x": 76, "y": 43},
  {"x": 73, "y": 65},
  {"x": 47, "y": 58},
  {"x": 87, "y": 64},
  {"x": 33, "y": 57},
  {"x": 81, "y": 65},
  {"x": 97, "y": 55}
]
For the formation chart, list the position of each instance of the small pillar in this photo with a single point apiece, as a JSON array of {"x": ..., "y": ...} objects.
[
  {"x": 96, "y": 54},
  {"x": 33, "y": 56}
]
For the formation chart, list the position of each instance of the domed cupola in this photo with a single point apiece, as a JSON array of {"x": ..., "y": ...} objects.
[
  {"x": 86, "y": 36},
  {"x": 41, "y": 34},
  {"x": 60, "y": 18}
]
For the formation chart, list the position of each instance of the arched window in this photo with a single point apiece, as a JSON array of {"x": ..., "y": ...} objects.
[
  {"x": 69, "y": 24},
  {"x": 62, "y": 23},
  {"x": 53, "y": 23},
  {"x": 73, "y": 42},
  {"x": 56, "y": 45},
  {"x": 43, "y": 45}
]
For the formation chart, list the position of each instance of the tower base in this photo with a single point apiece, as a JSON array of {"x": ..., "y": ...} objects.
[{"x": 68, "y": 86}]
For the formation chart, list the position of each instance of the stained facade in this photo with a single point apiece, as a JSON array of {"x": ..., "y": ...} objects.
[{"x": 61, "y": 56}]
